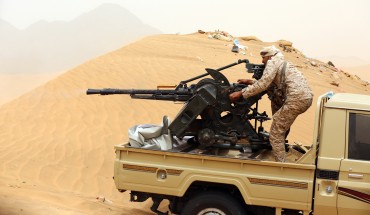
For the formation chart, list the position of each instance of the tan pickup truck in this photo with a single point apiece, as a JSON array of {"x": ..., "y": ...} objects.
[{"x": 332, "y": 176}]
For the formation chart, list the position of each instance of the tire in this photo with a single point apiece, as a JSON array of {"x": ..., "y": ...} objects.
[{"x": 213, "y": 203}]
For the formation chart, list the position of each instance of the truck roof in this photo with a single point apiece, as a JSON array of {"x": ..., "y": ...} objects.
[{"x": 349, "y": 101}]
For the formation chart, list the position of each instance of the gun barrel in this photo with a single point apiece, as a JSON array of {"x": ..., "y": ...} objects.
[
  {"x": 168, "y": 95},
  {"x": 93, "y": 91},
  {"x": 109, "y": 91}
]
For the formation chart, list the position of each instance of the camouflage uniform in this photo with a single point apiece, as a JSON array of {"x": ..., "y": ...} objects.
[{"x": 298, "y": 99}]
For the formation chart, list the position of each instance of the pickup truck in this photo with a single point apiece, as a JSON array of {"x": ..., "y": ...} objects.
[{"x": 332, "y": 176}]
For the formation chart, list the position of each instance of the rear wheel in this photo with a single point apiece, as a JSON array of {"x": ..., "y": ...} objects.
[{"x": 213, "y": 203}]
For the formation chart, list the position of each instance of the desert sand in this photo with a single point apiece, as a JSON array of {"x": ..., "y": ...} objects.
[
  {"x": 57, "y": 143},
  {"x": 362, "y": 72}
]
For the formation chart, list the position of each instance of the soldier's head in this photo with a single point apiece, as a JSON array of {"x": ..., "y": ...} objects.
[{"x": 268, "y": 52}]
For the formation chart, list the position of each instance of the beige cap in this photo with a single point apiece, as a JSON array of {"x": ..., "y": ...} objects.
[{"x": 269, "y": 51}]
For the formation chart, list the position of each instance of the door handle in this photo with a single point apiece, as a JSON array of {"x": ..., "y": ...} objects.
[{"x": 357, "y": 176}]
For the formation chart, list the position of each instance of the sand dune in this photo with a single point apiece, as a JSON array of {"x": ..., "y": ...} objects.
[{"x": 57, "y": 143}]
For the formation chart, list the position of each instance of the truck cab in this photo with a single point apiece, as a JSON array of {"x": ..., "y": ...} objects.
[{"x": 343, "y": 163}]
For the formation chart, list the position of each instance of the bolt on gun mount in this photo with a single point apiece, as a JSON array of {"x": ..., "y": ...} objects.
[{"x": 208, "y": 115}]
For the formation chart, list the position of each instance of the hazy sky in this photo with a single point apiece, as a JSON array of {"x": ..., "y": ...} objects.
[{"x": 317, "y": 27}]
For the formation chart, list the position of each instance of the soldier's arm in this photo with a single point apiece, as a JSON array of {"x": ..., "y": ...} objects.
[{"x": 262, "y": 84}]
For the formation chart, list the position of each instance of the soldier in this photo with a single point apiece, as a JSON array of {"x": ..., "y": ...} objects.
[{"x": 288, "y": 91}]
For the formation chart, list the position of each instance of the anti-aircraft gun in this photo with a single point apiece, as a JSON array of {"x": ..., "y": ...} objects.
[{"x": 208, "y": 114}]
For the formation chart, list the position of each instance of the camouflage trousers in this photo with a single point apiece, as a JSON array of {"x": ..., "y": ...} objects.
[{"x": 281, "y": 122}]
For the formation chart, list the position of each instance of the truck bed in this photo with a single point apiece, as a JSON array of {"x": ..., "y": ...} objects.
[{"x": 260, "y": 180}]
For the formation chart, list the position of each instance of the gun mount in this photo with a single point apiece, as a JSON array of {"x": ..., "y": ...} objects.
[{"x": 208, "y": 115}]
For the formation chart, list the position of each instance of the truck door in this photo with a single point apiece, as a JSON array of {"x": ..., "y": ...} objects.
[{"x": 354, "y": 177}]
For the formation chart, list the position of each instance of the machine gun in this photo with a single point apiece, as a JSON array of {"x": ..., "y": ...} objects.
[
  {"x": 208, "y": 114},
  {"x": 181, "y": 92}
]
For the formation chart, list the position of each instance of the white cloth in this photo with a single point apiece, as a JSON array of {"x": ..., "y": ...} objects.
[
  {"x": 240, "y": 46},
  {"x": 151, "y": 136}
]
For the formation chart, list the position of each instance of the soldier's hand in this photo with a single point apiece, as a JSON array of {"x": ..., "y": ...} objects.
[
  {"x": 245, "y": 81},
  {"x": 235, "y": 96}
]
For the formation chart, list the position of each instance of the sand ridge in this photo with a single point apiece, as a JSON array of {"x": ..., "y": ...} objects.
[
  {"x": 57, "y": 143},
  {"x": 14, "y": 85}
]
